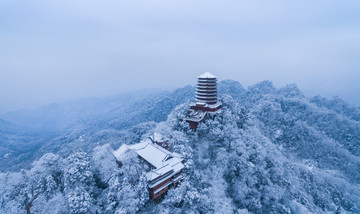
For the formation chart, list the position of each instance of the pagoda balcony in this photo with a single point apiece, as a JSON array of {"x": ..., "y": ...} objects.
[
  {"x": 206, "y": 100},
  {"x": 212, "y": 91},
  {"x": 207, "y": 81},
  {"x": 206, "y": 92},
  {"x": 205, "y": 95},
  {"x": 206, "y": 86}
]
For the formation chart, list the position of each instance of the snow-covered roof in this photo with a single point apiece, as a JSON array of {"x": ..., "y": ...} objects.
[
  {"x": 153, "y": 155},
  {"x": 200, "y": 103},
  {"x": 124, "y": 148},
  {"x": 207, "y": 75},
  {"x": 196, "y": 116},
  {"x": 158, "y": 137},
  {"x": 120, "y": 151},
  {"x": 173, "y": 166},
  {"x": 162, "y": 159},
  {"x": 159, "y": 172},
  {"x": 217, "y": 104}
]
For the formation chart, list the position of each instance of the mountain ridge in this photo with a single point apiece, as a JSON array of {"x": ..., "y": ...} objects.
[{"x": 269, "y": 151}]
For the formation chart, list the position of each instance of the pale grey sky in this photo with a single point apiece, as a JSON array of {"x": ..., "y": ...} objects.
[{"x": 58, "y": 50}]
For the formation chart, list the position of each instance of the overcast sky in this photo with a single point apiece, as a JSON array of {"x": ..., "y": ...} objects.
[{"x": 59, "y": 50}]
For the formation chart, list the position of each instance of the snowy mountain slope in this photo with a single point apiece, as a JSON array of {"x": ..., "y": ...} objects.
[
  {"x": 57, "y": 117},
  {"x": 269, "y": 151},
  {"x": 338, "y": 105},
  {"x": 125, "y": 121},
  {"x": 28, "y": 134},
  {"x": 17, "y": 145},
  {"x": 310, "y": 132},
  {"x": 154, "y": 107},
  {"x": 56, "y": 125},
  {"x": 6, "y": 127},
  {"x": 123, "y": 118}
]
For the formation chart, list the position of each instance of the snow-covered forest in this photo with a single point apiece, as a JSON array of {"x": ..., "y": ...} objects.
[{"x": 269, "y": 151}]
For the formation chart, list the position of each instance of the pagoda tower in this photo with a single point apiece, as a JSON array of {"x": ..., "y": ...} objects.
[
  {"x": 207, "y": 104},
  {"x": 206, "y": 89}
]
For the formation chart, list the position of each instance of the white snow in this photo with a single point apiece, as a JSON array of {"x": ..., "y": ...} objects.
[{"x": 207, "y": 75}]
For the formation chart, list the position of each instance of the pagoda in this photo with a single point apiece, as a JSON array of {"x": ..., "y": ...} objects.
[{"x": 206, "y": 104}]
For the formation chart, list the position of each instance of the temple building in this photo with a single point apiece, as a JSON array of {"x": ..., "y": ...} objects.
[
  {"x": 206, "y": 104},
  {"x": 166, "y": 167}
]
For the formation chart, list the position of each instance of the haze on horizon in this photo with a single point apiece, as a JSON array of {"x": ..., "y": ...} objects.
[{"x": 54, "y": 51}]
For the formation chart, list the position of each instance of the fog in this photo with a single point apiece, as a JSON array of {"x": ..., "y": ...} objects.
[{"x": 54, "y": 51}]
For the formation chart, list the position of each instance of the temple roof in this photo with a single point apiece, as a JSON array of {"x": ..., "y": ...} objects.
[{"x": 162, "y": 159}]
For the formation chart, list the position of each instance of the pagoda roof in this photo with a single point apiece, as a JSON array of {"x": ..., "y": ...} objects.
[
  {"x": 207, "y": 75},
  {"x": 196, "y": 116}
]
